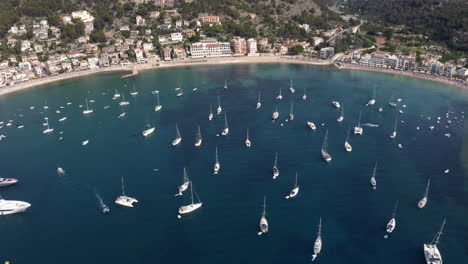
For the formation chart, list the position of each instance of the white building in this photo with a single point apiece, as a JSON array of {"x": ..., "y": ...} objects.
[
  {"x": 210, "y": 48},
  {"x": 87, "y": 19},
  {"x": 176, "y": 37},
  {"x": 24, "y": 66},
  {"x": 305, "y": 27},
  {"x": 148, "y": 46},
  {"x": 317, "y": 40},
  {"x": 140, "y": 21},
  {"x": 252, "y": 47},
  {"x": 25, "y": 45},
  {"x": 327, "y": 53}
]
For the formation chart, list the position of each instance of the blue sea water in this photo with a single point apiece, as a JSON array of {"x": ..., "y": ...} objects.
[{"x": 65, "y": 224}]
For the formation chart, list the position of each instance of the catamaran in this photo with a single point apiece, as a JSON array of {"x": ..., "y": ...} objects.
[
  {"x": 247, "y": 140},
  {"x": 304, "y": 97},
  {"x": 276, "y": 172},
  {"x": 394, "y": 133},
  {"x": 219, "y": 109},
  {"x": 294, "y": 191},
  {"x": 291, "y": 114},
  {"x": 392, "y": 223},
  {"x": 358, "y": 129},
  {"x": 125, "y": 200},
  {"x": 423, "y": 201},
  {"x": 372, "y": 100},
  {"x": 431, "y": 252},
  {"x": 318, "y": 241},
  {"x": 326, "y": 156},
  {"x": 185, "y": 183},
  {"x": 210, "y": 116},
  {"x": 198, "y": 138},
  {"x": 263, "y": 220},
  {"x": 124, "y": 103},
  {"x": 291, "y": 88},
  {"x": 311, "y": 125},
  {"x": 373, "y": 182},
  {"x": 185, "y": 209},
  {"x": 259, "y": 104},
  {"x": 280, "y": 96},
  {"x": 178, "y": 138},
  {"x": 158, "y": 106},
  {"x": 217, "y": 166},
  {"x": 275, "y": 114},
  {"x": 148, "y": 131},
  {"x": 341, "y": 117},
  {"x": 226, "y": 127},
  {"x": 48, "y": 130},
  {"x": 87, "y": 111},
  {"x": 134, "y": 90},
  {"x": 336, "y": 104},
  {"x": 347, "y": 145}
]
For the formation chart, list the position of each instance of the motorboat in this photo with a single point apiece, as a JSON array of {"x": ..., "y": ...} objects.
[
  {"x": 148, "y": 131},
  {"x": 7, "y": 181},
  {"x": 8, "y": 207},
  {"x": 311, "y": 125}
]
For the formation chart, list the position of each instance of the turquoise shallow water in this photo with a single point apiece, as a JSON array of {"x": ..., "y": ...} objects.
[{"x": 65, "y": 225}]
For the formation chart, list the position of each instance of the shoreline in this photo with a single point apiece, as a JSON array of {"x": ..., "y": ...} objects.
[{"x": 220, "y": 61}]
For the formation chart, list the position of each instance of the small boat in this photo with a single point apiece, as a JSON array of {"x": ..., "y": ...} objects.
[
  {"x": 158, "y": 106},
  {"x": 92, "y": 101},
  {"x": 219, "y": 109},
  {"x": 372, "y": 100},
  {"x": 178, "y": 138},
  {"x": 259, "y": 104},
  {"x": 347, "y": 145},
  {"x": 62, "y": 119},
  {"x": 48, "y": 130},
  {"x": 193, "y": 206},
  {"x": 400, "y": 146},
  {"x": 294, "y": 191},
  {"x": 148, "y": 131},
  {"x": 263, "y": 220},
  {"x": 276, "y": 171},
  {"x": 280, "y": 96},
  {"x": 275, "y": 114},
  {"x": 179, "y": 92},
  {"x": 84, "y": 143},
  {"x": 225, "y": 85},
  {"x": 423, "y": 201},
  {"x": 124, "y": 103},
  {"x": 217, "y": 166},
  {"x": 392, "y": 223},
  {"x": 104, "y": 208},
  {"x": 125, "y": 200},
  {"x": 226, "y": 127},
  {"x": 336, "y": 104},
  {"x": 60, "y": 171},
  {"x": 185, "y": 183},
  {"x": 107, "y": 106},
  {"x": 2, "y": 137},
  {"x": 8, "y": 207},
  {"x": 7, "y": 181},
  {"x": 373, "y": 182},
  {"x": 247, "y": 140},
  {"x": 116, "y": 94},
  {"x": 198, "y": 138},
  {"x": 380, "y": 109},
  {"x": 311, "y": 125},
  {"x": 431, "y": 252},
  {"x": 20, "y": 126},
  {"x": 87, "y": 111},
  {"x": 134, "y": 90},
  {"x": 210, "y": 116},
  {"x": 69, "y": 103},
  {"x": 291, "y": 114},
  {"x": 325, "y": 155},
  {"x": 304, "y": 97},
  {"x": 394, "y": 133},
  {"x": 57, "y": 111},
  {"x": 391, "y": 102},
  {"x": 341, "y": 117},
  {"x": 291, "y": 88},
  {"x": 358, "y": 129},
  {"x": 446, "y": 171},
  {"x": 318, "y": 241}
]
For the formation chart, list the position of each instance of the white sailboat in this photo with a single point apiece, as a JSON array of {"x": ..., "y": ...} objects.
[
  {"x": 431, "y": 252},
  {"x": 336, "y": 104},
  {"x": 341, "y": 117},
  {"x": 185, "y": 209},
  {"x": 87, "y": 111},
  {"x": 347, "y": 145},
  {"x": 394, "y": 133},
  {"x": 134, "y": 90},
  {"x": 123, "y": 102},
  {"x": 198, "y": 138},
  {"x": 219, "y": 109},
  {"x": 325, "y": 155},
  {"x": 392, "y": 223},
  {"x": 275, "y": 115},
  {"x": 179, "y": 92},
  {"x": 247, "y": 140},
  {"x": 259, "y": 104},
  {"x": 423, "y": 201},
  {"x": 358, "y": 129},
  {"x": 391, "y": 102},
  {"x": 210, "y": 116},
  {"x": 122, "y": 114},
  {"x": 158, "y": 106},
  {"x": 178, "y": 138},
  {"x": 294, "y": 191},
  {"x": 311, "y": 125},
  {"x": 280, "y": 96},
  {"x": 185, "y": 183},
  {"x": 116, "y": 94},
  {"x": 148, "y": 131},
  {"x": 373, "y": 182},
  {"x": 226, "y": 127},
  {"x": 318, "y": 241},
  {"x": 263, "y": 220},
  {"x": 372, "y": 100},
  {"x": 125, "y": 200},
  {"x": 291, "y": 88},
  {"x": 217, "y": 165},
  {"x": 276, "y": 171},
  {"x": 291, "y": 114},
  {"x": 48, "y": 129},
  {"x": 304, "y": 97},
  {"x": 225, "y": 85}
]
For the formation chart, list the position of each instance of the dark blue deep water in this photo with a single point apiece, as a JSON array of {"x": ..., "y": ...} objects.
[{"x": 65, "y": 224}]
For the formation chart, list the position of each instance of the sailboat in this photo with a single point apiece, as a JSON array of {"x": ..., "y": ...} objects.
[
  {"x": 134, "y": 90},
  {"x": 280, "y": 96},
  {"x": 373, "y": 182},
  {"x": 394, "y": 133},
  {"x": 341, "y": 117},
  {"x": 431, "y": 252},
  {"x": 391, "y": 102},
  {"x": 122, "y": 114},
  {"x": 326, "y": 156},
  {"x": 210, "y": 116},
  {"x": 247, "y": 140},
  {"x": 116, "y": 94},
  {"x": 158, "y": 106},
  {"x": 392, "y": 223},
  {"x": 336, "y": 104},
  {"x": 225, "y": 85},
  {"x": 318, "y": 241},
  {"x": 294, "y": 191},
  {"x": 347, "y": 145},
  {"x": 185, "y": 183},
  {"x": 226, "y": 127},
  {"x": 276, "y": 172},
  {"x": 148, "y": 131},
  {"x": 198, "y": 138},
  {"x": 219, "y": 109},
  {"x": 185, "y": 209},
  {"x": 217, "y": 166},
  {"x": 124, "y": 103},
  {"x": 48, "y": 130},
  {"x": 372, "y": 100},
  {"x": 259, "y": 104},
  {"x": 291, "y": 88},
  {"x": 358, "y": 129},
  {"x": 178, "y": 138},
  {"x": 125, "y": 200},
  {"x": 263, "y": 220},
  {"x": 102, "y": 205},
  {"x": 423, "y": 201},
  {"x": 304, "y": 97},
  {"x": 87, "y": 111},
  {"x": 311, "y": 125},
  {"x": 275, "y": 114},
  {"x": 179, "y": 92},
  {"x": 291, "y": 114}
]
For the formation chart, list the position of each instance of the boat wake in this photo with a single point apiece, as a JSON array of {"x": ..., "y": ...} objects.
[{"x": 370, "y": 125}]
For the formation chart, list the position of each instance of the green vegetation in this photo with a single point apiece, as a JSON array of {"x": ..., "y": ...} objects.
[{"x": 297, "y": 49}]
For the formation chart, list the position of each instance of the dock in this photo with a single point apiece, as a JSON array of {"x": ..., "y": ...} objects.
[{"x": 134, "y": 73}]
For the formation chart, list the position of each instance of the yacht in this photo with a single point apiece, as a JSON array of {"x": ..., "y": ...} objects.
[
  {"x": 276, "y": 172},
  {"x": 148, "y": 131},
  {"x": 7, "y": 181},
  {"x": 291, "y": 88},
  {"x": 347, "y": 145},
  {"x": 134, "y": 90},
  {"x": 210, "y": 116},
  {"x": 394, "y": 133},
  {"x": 341, "y": 117},
  {"x": 431, "y": 252},
  {"x": 326, "y": 156},
  {"x": 291, "y": 114},
  {"x": 275, "y": 114},
  {"x": 392, "y": 223},
  {"x": 373, "y": 182},
  {"x": 185, "y": 183},
  {"x": 263, "y": 220},
  {"x": 247, "y": 140},
  {"x": 217, "y": 166},
  {"x": 125, "y": 200},
  {"x": 318, "y": 241},
  {"x": 423, "y": 201},
  {"x": 259, "y": 104},
  {"x": 280, "y": 96},
  {"x": 372, "y": 100},
  {"x": 116, "y": 94},
  {"x": 304, "y": 97},
  {"x": 87, "y": 111},
  {"x": 226, "y": 127},
  {"x": 219, "y": 109},
  {"x": 311, "y": 125},
  {"x": 336, "y": 104},
  {"x": 294, "y": 191},
  {"x": 185, "y": 209},
  {"x": 158, "y": 106},
  {"x": 124, "y": 103},
  {"x": 48, "y": 130},
  {"x": 179, "y": 92},
  {"x": 358, "y": 129},
  {"x": 198, "y": 138},
  {"x": 12, "y": 207},
  {"x": 178, "y": 138}
]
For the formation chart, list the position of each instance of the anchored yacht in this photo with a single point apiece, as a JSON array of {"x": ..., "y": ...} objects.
[{"x": 12, "y": 207}]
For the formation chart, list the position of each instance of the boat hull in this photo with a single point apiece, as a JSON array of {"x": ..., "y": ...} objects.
[
  {"x": 189, "y": 208},
  {"x": 432, "y": 254}
]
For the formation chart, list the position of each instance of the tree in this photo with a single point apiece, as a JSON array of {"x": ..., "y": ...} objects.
[
  {"x": 98, "y": 36},
  {"x": 297, "y": 49}
]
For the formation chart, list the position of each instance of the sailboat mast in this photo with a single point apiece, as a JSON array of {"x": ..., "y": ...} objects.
[
  {"x": 427, "y": 188},
  {"x": 276, "y": 159},
  {"x": 225, "y": 121},
  {"x": 342, "y": 110},
  {"x": 157, "y": 96},
  {"x": 396, "y": 123},
  {"x": 320, "y": 227},
  {"x": 436, "y": 241},
  {"x": 375, "y": 169},
  {"x": 324, "y": 145},
  {"x": 177, "y": 131},
  {"x": 247, "y": 133},
  {"x": 295, "y": 185},
  {"x": 123, "y": 187},
  {"x": 216, "y": 154},
  {"x": 359, "y": 120},
  {"x": 191, "y": 190},
  {"x": 87, "y": 107},
  {"x": 199, "y": 133},
  {"x": 395, "y": 209},
  {"x": 264, "y": 205},
  {"x": 292, "y": 105}
]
